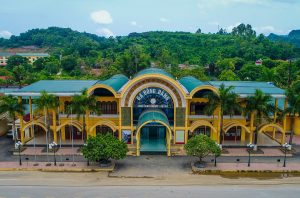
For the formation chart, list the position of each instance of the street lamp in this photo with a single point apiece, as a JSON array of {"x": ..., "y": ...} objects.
[
  {"x": 53, "y": 146},
  {"x": 250, "y": 146},
  {"x": 18, "y": 146},
  {"x": 220, "y": 146},
  {"x": 88, "y": 161},
  {"x": 286, "y": 147}
]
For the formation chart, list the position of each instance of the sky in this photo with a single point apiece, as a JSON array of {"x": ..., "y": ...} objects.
[{"x": 121, "y": 17}]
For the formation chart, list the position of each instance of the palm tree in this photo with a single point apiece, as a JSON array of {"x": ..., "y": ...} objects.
[
  {"x": 260, "y": 106},
  {"x": 226, "y": 100},
  {"x": 80, "y": 105},
  {"x": 45, "y": 103},
  {"x": 293, "y": 109},
  {"x": 11, "y": 105}
]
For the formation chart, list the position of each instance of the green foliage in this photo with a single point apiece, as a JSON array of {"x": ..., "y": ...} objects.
[
  {"x": 16, "y": 60},
  {"x": 228, "y": 75},
  {"x": 201, "y": 146},
  {"x": 19, "y": 74},
  {"x": 243, "y": 31},
  {"x": 260, "y": 106},
  {"x": 69, "y": 63},
  {"x": 11, "y": 105},
  {"x": 210, "y": 54},
  {"x": 102, "y": 148}
]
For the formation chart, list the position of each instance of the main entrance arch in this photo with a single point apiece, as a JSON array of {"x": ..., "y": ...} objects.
[{"x": 153, "y": 132}]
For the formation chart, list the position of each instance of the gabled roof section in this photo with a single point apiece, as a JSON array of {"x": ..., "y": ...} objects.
[
  {"x": 190, "y": 83},
  {"x": 246, "y": 88},
  {"x": 153, "y": 71},
  {"x": 57, "y": 87},
  {"x": 115, "y": 82}
]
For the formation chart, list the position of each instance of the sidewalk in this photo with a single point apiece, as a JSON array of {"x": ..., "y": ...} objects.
[
  {"x": 235, "y": 152},
  {"x": 243, "y": 168},
  {"x": 44, "y": 166}
]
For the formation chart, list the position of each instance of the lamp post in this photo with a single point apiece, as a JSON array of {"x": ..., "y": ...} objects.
[
  {"x": 220, "y": 146},
  {"x": 250, "y": 146},
  {"x": 88, "y": 161},
  {"x": 53, "y": 146},
  {"x": 18, "y": 146},
  {"x": 286, "y": 146}
]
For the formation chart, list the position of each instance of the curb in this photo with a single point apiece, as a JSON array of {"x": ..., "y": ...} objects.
[
  {"x": 196, "y": 170},
  {"x": 69, "y": 169}
]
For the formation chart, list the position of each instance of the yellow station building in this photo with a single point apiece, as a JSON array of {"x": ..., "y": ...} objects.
[{"x": 152, "y": 112}]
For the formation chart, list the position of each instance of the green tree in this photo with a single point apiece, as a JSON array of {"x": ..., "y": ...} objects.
[
  {"x": 11, "y": 105},
  {"x": 201, "y": 146},
  {"x": 259, "y": 107},
  {"x": 102, "y": 148},
  {"x": 45, "y": 103},
  {"x": 16, "y": 60},
  {"x": 228, "y": 75},
  {"x": 226, "y": 100},
  {"x": 19, "y": 74},
  {"x": 80, "y": 105},
  {"x": 243, "y": 31},
  {"x": 69, "y": 63}
]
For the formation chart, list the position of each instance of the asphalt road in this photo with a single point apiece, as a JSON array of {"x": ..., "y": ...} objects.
[{"x": 291, "y": 191}]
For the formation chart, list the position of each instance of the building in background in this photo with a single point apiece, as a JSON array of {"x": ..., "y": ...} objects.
[{"x": 30, "y": 56}]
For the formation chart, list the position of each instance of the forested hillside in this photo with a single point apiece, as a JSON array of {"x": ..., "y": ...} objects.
[{"x": 222, "y": 56}]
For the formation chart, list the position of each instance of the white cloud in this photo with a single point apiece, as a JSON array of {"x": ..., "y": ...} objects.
[
  {"x": 104, "y": 32},
  {"x": 230, "y": 27},
  {"x": 133, "y": 23},
  {"x": 163, "y": 19},
  {"x": 101, "y": 17},
  {"x": 268, "y": 29},
  {"x": 5, "y": 34}
]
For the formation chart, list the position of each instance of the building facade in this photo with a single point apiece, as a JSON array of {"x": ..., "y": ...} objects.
[
  {"x": 32, "y": 57},
  {"x": 152, "y": 112}
]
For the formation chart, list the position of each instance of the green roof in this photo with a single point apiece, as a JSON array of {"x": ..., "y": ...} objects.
[
  {"x": 190, "y": 82},
  {"x": 249, "y": 87},
  {"x": 58, "y": 86},
  {"x": 153, "y": 71},
  {"x": 153, "y": 116},
  {"x": 115, "y": 82}
]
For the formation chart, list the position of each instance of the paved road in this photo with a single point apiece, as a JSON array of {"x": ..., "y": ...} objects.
[{"x": 151, "y": 191}]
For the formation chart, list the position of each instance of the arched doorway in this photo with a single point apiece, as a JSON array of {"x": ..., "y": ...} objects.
[
  {"x": 153, "y": 138},
  {"x": 205, "y": 130},
  {"x": 153, "y": 132}
]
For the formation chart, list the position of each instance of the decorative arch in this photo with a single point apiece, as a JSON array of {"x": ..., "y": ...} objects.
[
  {"x": 96, "y": 86},
  {"x": 235, "y": 124},
  {"x": 199, "y": 123},
  {"x": 204, "y": 87},
  {"x": 108, "y": 123},
  {"x": 140, "y": 88},
  {"x": 35, "y": 123},
  {"x": 138, "y": 135},
  {"x": 174, "y": 88},
  {"x": 278, "y": 127},
  {"x": 76, "y": 124}
]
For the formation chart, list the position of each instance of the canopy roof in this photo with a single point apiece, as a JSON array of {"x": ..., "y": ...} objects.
[
  {"x": 190, "y": 83},
  {"x": 115, "y": 82},
  {"x": 153, "y": 71},
  {"x": 153, "y": 116}
]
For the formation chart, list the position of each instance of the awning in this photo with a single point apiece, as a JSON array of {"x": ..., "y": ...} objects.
[{"x": 153, "y": 116}]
